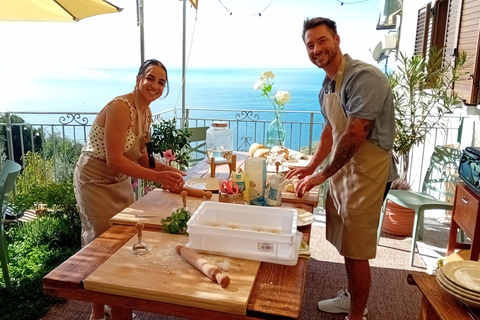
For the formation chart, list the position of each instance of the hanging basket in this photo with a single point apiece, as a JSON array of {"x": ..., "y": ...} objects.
[{"x": 398, "y": 220}]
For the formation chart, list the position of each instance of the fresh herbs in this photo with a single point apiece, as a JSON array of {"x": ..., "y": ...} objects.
[{"x": 177, "y": 222}]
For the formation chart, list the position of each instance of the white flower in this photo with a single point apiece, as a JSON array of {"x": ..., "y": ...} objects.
[
  {"x": 258, "y": 85},
  {"x": 282, "y": 97},
  {"x": 267, "y": 75}
]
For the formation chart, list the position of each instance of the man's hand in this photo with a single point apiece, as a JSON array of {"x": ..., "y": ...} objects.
[
  {"x": 306, "y": 184},
  {"x": 301, "y": 172}
]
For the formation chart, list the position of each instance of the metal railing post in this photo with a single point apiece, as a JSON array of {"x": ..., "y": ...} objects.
[
  {"x": 310, "y": 135},
  {"x": 11, "y": 156}
]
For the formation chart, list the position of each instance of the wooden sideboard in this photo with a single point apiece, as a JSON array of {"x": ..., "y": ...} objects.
[{"x": 465, "y": 215}]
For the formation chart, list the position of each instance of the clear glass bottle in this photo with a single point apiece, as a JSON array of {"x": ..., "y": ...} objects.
[{"x": 219, "y": 142}]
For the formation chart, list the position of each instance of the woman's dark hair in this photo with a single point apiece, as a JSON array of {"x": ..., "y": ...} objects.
[
  {"x": 153, "y": 62},
  {"x": 311, "y": 23}
]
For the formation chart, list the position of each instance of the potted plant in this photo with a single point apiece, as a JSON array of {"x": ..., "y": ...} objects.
[
  {"x": 422, "y": 93},
  {"x": 168, "y": 140}
]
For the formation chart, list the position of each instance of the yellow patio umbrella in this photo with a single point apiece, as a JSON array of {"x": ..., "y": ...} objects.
[{"x": 53, "y": 10}]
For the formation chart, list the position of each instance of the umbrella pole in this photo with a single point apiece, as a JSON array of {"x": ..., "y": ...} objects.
[
  {"x": 140, "y": 23},
  {"x": 182, "y": 123}
]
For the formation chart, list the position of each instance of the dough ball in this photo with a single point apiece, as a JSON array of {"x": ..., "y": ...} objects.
[
  {"x": 225, "y": 265},
  {"x": 295, "y": 183},
  {"x": 262, "y": 153},
  {"x": 290, "y": 188},
  {"x": 254, "y": 147},
  {"x": 281, "y": 151}
]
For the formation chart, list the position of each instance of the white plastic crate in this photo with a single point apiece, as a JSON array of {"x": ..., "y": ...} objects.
[{"x": 258, "y": 233}]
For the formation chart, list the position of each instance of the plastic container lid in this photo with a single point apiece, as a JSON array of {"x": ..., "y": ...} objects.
[{"x": 219, "y": 124}]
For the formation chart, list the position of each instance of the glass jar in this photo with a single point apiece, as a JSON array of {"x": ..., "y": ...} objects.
[{"x": 219, "y": 142}]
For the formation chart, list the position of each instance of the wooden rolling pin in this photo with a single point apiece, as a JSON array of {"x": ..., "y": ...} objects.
[
  {"x": 212, "y": 272},
  {"x": 192, "y": 192}
]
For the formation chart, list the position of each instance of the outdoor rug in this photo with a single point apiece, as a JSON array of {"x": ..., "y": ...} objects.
[{"x": 391, "y": 298}]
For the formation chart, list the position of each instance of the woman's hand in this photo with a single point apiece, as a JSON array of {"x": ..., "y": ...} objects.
[
  {"x": 169, "y": 168},
  {"x": 170, "y": 178}
]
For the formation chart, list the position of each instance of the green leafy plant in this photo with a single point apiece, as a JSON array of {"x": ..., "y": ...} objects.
[
  {"x": 37, "y": 247},
  {"x": 36, "y": 172},
  {"x": 177, "y": 222},
  {"x": 166, "y": 136},
  {"x": 21, "y": 135},
  {"x": 422, "y": 94}
]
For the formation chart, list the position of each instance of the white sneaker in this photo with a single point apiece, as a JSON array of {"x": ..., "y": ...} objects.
[{"x": 339, "y": 304}]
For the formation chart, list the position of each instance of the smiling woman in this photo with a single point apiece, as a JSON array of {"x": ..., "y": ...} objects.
[{"x": 116, "y": 151}]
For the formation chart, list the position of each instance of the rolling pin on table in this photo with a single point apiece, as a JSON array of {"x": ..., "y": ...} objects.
[{"x": 212, "y": 272}]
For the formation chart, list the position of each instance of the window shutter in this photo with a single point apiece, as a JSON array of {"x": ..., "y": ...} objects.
[
  {"x": 423, "y": 28},
  {"x": 466, "y": 39},
  {"x": 453, "y": 26},
  {"x": 438, "y": 21}
]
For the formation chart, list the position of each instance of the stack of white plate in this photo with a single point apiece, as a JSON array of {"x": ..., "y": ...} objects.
[{"x": 461, "y": 279}]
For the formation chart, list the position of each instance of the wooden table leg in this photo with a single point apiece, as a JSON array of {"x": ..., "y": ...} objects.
[
  {"x": 119, "y": 313},
  {"x": 452, "y": 239},
  {"x": 212, "y": 167},
  {"x": 426, "y": 311},
  {"x": 233, "y": 164}
]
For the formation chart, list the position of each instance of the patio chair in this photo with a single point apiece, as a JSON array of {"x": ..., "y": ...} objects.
[
  {"x": 443, "y": 170},
  {"x": 198, "y": 144},
  {"x": 9, "y": 174}
]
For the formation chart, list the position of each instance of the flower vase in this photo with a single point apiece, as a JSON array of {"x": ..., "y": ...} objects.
[{"x": 276, "y": 132}]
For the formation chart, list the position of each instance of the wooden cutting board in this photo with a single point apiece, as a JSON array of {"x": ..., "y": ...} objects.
[
  {"x": 163, "y": 275},
  {"x": 159, "y": 204}
]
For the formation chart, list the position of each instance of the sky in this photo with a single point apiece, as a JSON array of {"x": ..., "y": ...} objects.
[{"x": 214, "y": 37}]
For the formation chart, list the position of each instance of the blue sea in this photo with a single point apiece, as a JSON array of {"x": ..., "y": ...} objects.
[{"x": 88, "y": 90}]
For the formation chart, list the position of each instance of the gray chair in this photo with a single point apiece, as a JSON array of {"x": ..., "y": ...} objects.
[
  {"x": 8, "y": 177},
  {"x": 435, "y": 180}
]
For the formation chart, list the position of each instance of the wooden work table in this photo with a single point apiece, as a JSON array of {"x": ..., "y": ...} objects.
[{"x": 277, "y": 291}]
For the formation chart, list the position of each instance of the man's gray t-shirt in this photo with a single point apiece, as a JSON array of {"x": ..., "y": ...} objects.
[{"x": 366, "y": 94}]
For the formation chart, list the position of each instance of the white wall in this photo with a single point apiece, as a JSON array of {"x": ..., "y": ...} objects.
[{"x": 409, "y": 24}]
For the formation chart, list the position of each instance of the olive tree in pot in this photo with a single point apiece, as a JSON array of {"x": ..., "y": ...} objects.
[{"x": 423, "y": 93}]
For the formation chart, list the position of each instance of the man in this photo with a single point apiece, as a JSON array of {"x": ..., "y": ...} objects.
[{"x": 356, "y": 101}]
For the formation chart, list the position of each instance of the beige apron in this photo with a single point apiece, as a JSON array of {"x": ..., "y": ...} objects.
[
  {"x": 356, "y": 191},
  {"x": 102, "y": 192}
]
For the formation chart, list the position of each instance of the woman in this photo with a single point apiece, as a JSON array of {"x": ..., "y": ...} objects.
[{"x": 116, "y": 151}]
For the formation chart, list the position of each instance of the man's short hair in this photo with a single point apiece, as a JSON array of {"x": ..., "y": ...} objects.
[{"x": 311, "y": 23}]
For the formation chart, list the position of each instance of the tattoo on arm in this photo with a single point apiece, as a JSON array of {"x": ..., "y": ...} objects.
[{"x": 356, "y": 132}]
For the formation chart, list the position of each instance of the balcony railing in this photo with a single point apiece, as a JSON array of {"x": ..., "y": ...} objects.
[{"x": 70, "y": 130}]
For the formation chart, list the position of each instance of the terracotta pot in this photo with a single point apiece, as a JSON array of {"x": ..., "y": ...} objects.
[{"x": 398, "y": 220}]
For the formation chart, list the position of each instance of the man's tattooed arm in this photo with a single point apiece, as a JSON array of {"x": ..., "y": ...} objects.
[{"x": 356, "y": 132}]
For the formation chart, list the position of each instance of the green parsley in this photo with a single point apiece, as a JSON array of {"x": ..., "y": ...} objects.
[{"x": 177, "y": 222}]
